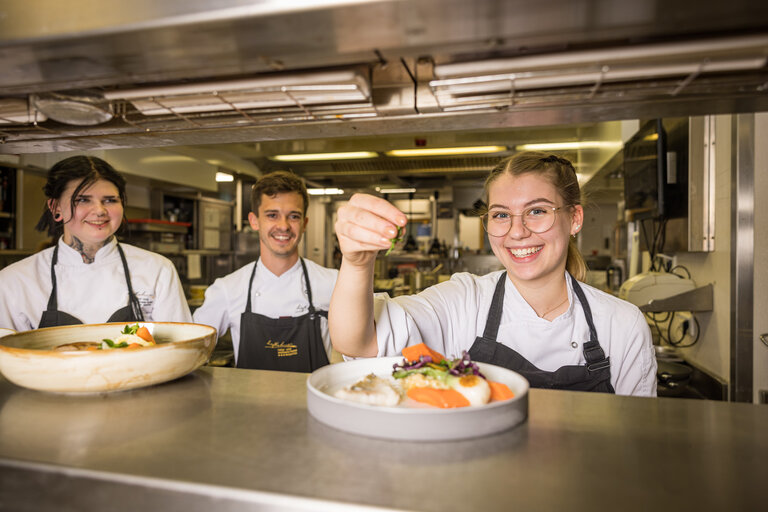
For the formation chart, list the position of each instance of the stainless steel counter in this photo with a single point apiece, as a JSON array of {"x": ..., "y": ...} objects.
[{"x": 228, "y": 439}]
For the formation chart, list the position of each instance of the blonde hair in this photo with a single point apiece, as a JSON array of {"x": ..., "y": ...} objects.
[{"x": 562, "y": 175}]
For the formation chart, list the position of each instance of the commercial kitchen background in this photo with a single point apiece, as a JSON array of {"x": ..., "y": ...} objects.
[{"x": 175, "y": 94}]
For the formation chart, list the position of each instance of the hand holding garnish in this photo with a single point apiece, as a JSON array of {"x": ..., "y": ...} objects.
[
  {"x": 396, "y": 240},
  {"x": 366, "y": 225}
]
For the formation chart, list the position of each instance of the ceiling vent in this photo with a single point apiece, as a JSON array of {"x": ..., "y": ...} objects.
[{"x": 79, "y": 109}]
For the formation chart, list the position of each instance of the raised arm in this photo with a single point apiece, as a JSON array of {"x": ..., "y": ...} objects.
[{"x": 365, "y": 225}]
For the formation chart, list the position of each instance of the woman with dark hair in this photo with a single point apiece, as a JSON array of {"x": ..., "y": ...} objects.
[
  {"x": 87, "y": 276},
  {"x": 534, "y": 317}
]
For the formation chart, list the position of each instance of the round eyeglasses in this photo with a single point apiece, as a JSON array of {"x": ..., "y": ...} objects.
[{"x": 536, "y": 219}]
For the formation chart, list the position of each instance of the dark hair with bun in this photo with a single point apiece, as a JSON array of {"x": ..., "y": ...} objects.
[{"x": 87, "y": 169}]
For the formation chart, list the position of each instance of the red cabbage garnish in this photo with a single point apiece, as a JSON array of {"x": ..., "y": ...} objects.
[{"x": 458, "y": 367}]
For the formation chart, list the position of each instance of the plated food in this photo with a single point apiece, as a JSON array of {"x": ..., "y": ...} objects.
[
  {"x": 427, "y": 377},
  {"x": 410, "y": 420},
  {"x": 61, "y": 359},
  {"x": 132, "y": 336}
]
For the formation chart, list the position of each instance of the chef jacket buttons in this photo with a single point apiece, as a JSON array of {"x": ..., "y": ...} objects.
[
  {"x": 574, "y": 344},
  {"x": 256, "y": 294}
]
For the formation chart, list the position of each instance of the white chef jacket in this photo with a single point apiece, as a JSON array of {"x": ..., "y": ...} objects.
[
  {"x": 90, "y": 292},
  {"x": 450, "y": 315},
  {"x": 272, "y": 296}
]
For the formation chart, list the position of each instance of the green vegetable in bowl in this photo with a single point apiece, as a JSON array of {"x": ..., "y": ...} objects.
[{"x": 396, "y": 240}]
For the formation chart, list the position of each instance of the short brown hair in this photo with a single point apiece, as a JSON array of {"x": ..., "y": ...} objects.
[{"x": 278, "y": 182}]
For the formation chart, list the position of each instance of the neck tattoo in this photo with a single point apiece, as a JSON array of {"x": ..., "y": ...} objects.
[
  {"x": 554, "y": 308},
  {"x": 88, "y": 253}
]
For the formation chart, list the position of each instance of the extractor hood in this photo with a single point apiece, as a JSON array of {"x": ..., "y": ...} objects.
[{"x": 234, "y": 71}]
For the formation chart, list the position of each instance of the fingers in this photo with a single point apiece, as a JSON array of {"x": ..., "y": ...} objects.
[{"x": 367, "y": 223}]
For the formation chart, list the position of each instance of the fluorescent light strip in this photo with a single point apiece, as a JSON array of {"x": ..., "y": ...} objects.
[
  {"x": 395, "y": 190},
  {"x": 224, "y": 177},
  {"x": 308, "y": 157},
  {"x": 324, "y": 191},
  {"x": 468, "y": 150},
  {"x": 323, "y": 81},
  {"x": 521, "y": 81},
  {"x": 655, "y": 51},
  {"x": 555, "y": 146}
]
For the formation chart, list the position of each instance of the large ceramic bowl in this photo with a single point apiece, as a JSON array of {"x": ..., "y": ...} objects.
[{"x": 28, "y": 358}]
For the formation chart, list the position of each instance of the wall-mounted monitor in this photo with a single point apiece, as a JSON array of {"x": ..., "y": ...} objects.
[{"x": 656, "y": 171}]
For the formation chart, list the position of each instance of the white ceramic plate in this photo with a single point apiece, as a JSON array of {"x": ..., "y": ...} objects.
[
  {"x": 27, "y": 358},
  {"x": 409, "y": 423}
]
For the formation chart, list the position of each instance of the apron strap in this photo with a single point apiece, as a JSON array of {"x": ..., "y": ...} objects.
[
  {"x": 52, "y": 302},
  {"x": 250, "y": 285},
  {"x": 309, "y": 288},
  {"x": 494, "y": 315},
  {"x": 593, "y": 352},
  {"x": 133, "y": 301}
]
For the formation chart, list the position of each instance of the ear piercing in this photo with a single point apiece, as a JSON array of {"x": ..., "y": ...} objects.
[{"x": 57, "y": 217}]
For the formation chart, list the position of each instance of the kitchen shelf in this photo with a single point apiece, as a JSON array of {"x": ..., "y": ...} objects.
[{"x": 158, "y": 226}]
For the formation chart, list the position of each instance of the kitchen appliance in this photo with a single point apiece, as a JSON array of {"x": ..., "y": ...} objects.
[
  {"x": 672, "y": 378},
  {"x": 648, "y": 286}
]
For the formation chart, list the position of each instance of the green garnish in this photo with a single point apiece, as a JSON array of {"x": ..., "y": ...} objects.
[
  {"x": 128, "y": 329},
  {"x": 395, "y": 241},
  {"x": 112, "y": 344}
]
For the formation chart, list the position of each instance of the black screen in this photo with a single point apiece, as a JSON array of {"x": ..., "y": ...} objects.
[{"x": 644, "y": 171}]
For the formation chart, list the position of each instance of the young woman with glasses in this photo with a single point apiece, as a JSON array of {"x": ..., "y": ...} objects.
[{"x": 535, "y": 317}]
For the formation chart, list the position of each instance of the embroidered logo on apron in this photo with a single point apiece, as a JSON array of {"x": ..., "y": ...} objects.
[{"x": 284, "y": 349}]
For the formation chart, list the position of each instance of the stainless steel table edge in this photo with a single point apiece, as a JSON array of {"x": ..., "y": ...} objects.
[{"x": 118, "y": 491}]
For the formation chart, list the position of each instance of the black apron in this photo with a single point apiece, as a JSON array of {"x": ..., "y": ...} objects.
[
  {"x": 593, "y": 376},
  {"x": 292, "y": 344},
  {"x": 52, "y": 317}
]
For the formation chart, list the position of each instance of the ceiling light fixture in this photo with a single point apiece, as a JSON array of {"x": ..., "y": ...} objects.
[
  {"x": 466, "y": 150},
  {"x": 265, "y": 92},
  {"x": 308, "y": 157},
  {"x": 652, "y": 52},
  {"x": 564, "y": 146},
  {"x": 224, "y": 177},
  {"x": 324, "y": 191},
  {"x": 395, "y": 190}
]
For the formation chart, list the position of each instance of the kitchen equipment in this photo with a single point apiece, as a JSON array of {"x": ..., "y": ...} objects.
[
  {"x": 667, "y": 354},
  {"x": 672, "y": 378},
  {"x": 645, "y": 287},
  {"x": 614, "y": 275},
  {"x": 406, "y": 423},
  {"x": 28, "y": 358}
]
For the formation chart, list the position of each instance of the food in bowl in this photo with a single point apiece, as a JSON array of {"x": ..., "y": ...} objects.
[
  {"x": 30, "y": 358},
  {"x": 371, "y": 390},
  {"x": 132, "y": 336},
  {"x": 427, "y": 377}
]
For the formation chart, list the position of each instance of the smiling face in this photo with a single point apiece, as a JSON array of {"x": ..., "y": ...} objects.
[
  {"x": 97, "y": 215},
  {"x": 531, "y": 257},
  {"x": 280, "y": 223}
]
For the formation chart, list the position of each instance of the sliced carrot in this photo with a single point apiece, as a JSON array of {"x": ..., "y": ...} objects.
[
  {"x": 134, "y": 345},
  {"x": 144, "y": 334},
  {"x": 500, "y": 391},
  {"x": 413, "y": 352},
  {"x": 443, "y": 398}
]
